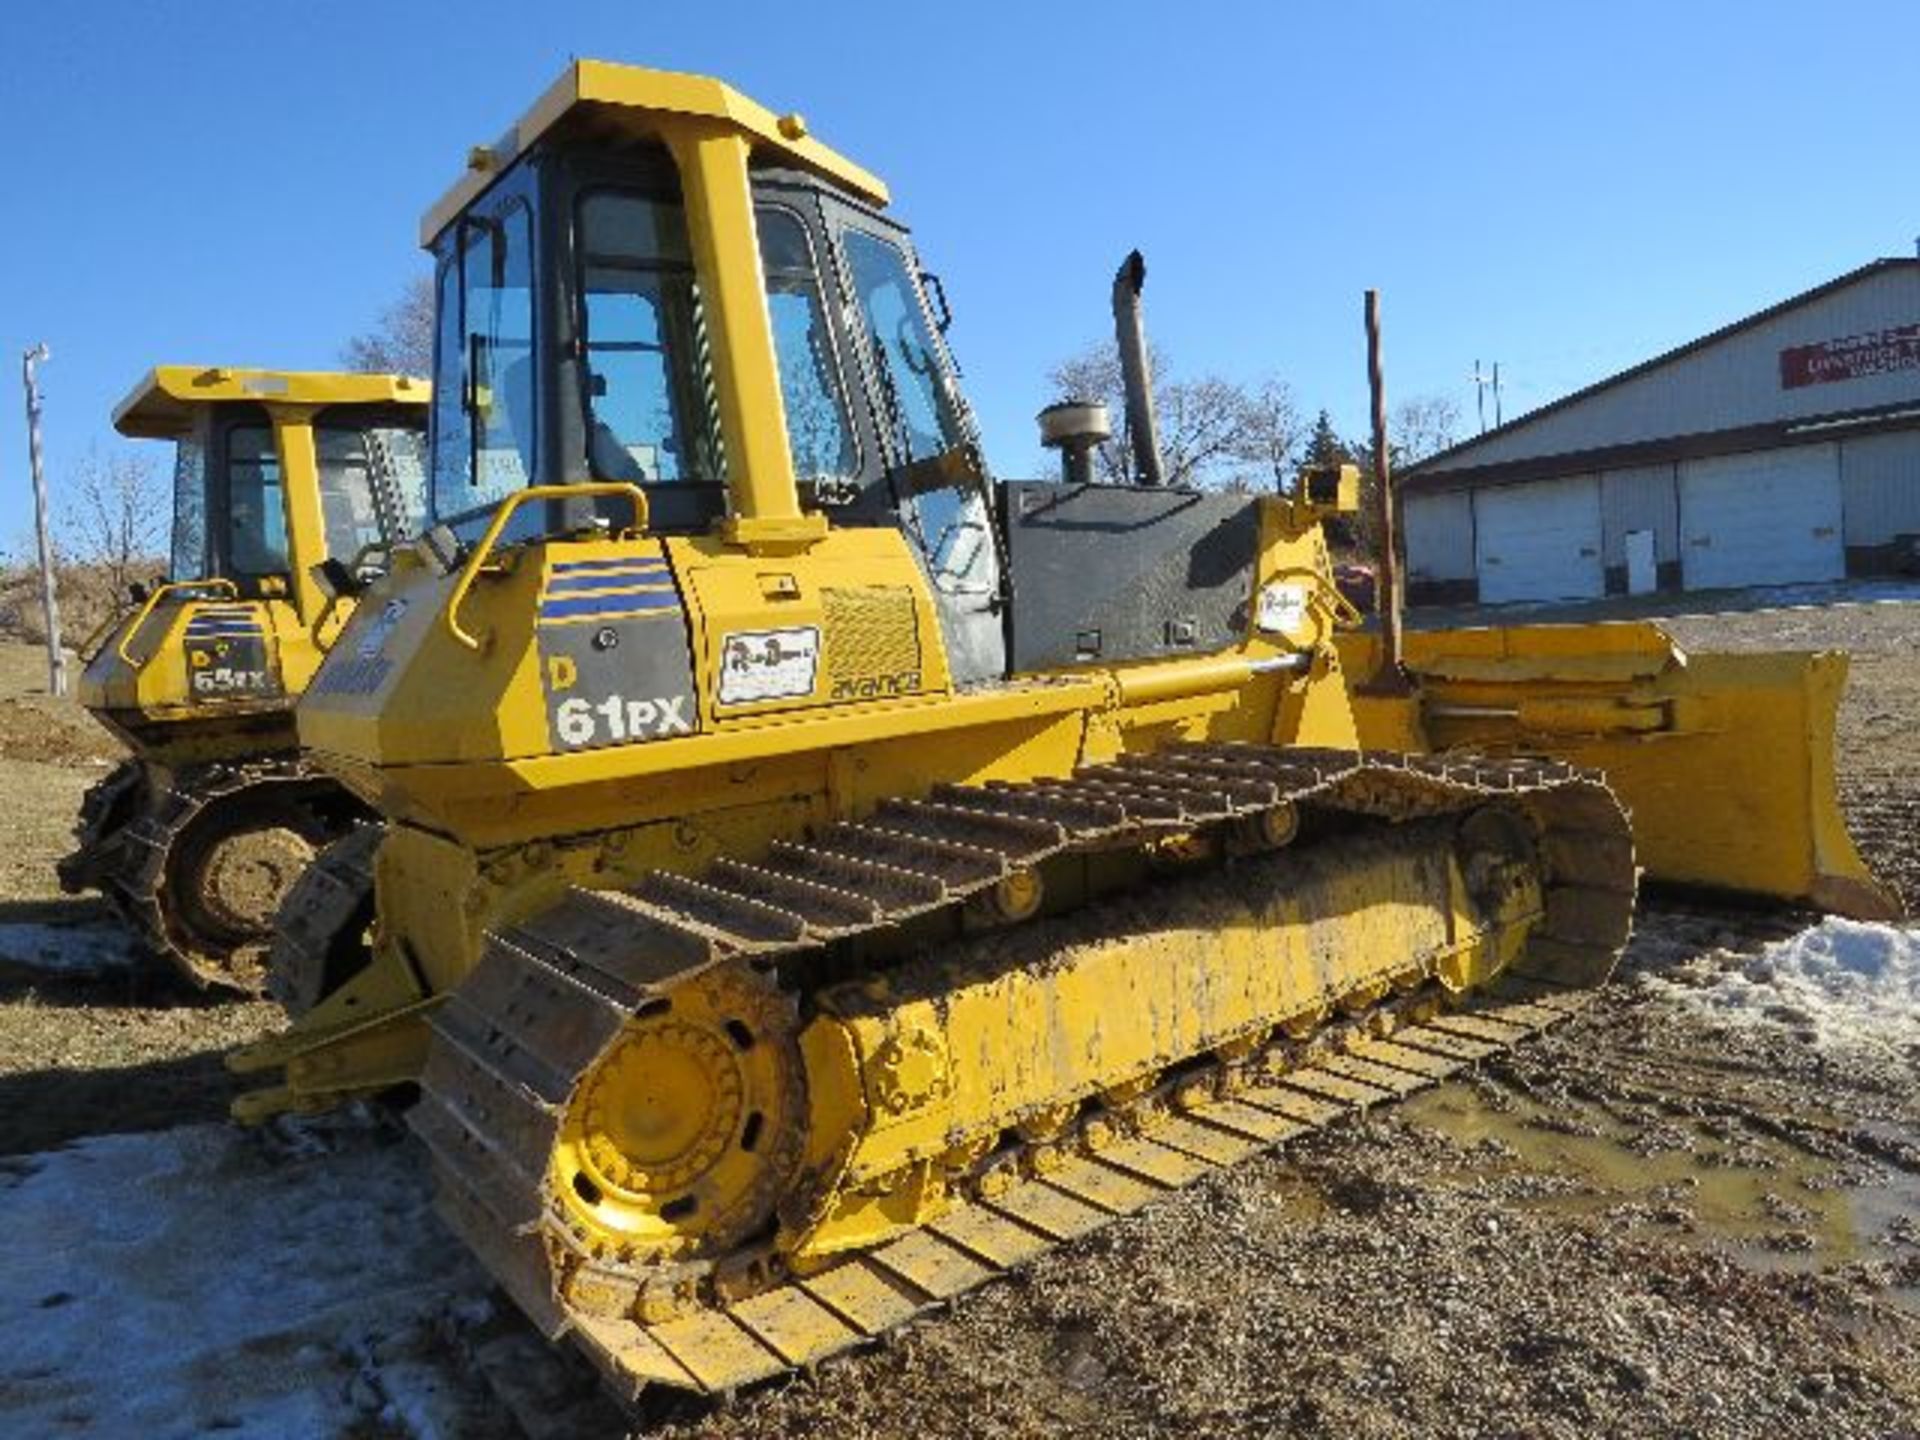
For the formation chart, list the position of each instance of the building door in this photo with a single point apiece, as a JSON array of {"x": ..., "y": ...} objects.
[
  {"x": 1771, "y": 517},
  {"x": 1539, "y": 541},
  {"x": 1643, "y": 575}
]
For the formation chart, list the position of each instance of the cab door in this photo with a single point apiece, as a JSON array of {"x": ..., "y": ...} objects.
[{"x": 926, "y": 435}]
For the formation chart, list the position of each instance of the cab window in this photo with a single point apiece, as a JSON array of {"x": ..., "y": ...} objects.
[
  {"x": 818, "y": 433},
  {"x": 915, "y": 401},
  {"x": 349, "y": 510},
  {"x": 256, "y": 509},
  {"x": 650, "y": 410},
  {"x": 189, "y": 510},
  {"x": 484, "y": 440}
]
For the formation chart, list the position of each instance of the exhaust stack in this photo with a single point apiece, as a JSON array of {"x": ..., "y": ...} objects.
[{"x": 1130, "y": 331}]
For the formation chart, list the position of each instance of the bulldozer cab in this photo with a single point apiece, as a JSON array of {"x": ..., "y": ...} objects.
[
  {"x": 284, "y": 483},
  {"x": 276, "y": 473},
  {"x": 655, "y": 281}
]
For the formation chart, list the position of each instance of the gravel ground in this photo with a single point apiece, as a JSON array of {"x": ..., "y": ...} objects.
[{"x": 1648, "y": 1221}]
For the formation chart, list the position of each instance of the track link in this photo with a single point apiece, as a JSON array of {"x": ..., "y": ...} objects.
[{"x": 548, "y": 997}]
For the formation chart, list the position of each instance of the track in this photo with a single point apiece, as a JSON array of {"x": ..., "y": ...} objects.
[
  {"x": 100, "y": 835},
  {"x": 319, "y": 940},
  {"x": 547, "y": 1000},
  {"x": 198, "y": 868}
]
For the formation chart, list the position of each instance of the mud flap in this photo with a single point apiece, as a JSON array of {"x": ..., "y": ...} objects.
[{"x": 1726, "y": 761}]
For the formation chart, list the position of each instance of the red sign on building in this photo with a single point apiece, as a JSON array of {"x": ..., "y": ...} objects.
[{"x": 1878, "y": 352}]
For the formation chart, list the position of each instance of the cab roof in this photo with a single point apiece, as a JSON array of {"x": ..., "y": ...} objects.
[
  {"x": 628, "y": 100},
  {"x": 162, "y": 405}
]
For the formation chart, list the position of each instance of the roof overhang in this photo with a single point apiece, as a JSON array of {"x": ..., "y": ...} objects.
[
  {"x": 1664, "y": 450},
  {"x": 162, "y": 405},
  {"x": 635, "y": 101}
]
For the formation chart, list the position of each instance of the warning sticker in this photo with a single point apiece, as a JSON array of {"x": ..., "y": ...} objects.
[
  {"x": 374, "y": 639},
  {"x": 1283, "y": 609},
  {"x": 768, "y": 664}
]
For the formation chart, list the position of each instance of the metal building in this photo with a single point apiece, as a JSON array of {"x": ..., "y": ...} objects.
[{"x": 1782, "y": 449}]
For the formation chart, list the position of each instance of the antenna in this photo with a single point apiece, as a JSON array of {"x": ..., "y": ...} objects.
[{"x": 1481, "y": 380}]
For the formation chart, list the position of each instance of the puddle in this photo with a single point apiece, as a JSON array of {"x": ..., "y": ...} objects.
[{"x": 1760, "y": 1198}]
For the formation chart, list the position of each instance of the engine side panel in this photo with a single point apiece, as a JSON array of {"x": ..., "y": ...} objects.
[{"x": 1103, "y": 573}]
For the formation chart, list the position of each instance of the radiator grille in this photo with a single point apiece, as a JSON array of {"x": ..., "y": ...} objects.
[{"x": 872, "y": 641}]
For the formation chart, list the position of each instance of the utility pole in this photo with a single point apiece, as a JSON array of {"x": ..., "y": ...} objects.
[
  {"x": 1389, "y": 588},
  {"x": 49, "y": 601}
]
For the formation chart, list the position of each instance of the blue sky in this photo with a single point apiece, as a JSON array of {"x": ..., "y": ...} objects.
[{"x": 1566, "y": 189}]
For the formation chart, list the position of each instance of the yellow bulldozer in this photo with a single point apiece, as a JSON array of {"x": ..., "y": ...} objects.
[
  {"x": 818, "y": 877},
  {"x": 289, "y": 488}
]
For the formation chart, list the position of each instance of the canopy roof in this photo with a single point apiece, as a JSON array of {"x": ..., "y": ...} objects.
[
  {"x": 161, "y": 406},
  {"x": 631, "y": 101}
]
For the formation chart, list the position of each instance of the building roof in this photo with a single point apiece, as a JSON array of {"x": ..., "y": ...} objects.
[
  {"x": 1439, "y": 471},
  {"x": 161, "y": 405},
  {"x": 634, "y": 100}
]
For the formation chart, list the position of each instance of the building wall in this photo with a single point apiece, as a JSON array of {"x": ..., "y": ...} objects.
[
  {"x": 1880, "y": 490},
  {"x": 1732, "y": 383},
  {"x": 1439, "y": 536}
]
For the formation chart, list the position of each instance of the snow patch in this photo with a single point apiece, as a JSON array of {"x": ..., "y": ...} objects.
[
  {"x": 1850, "y": 985},
  {"x": 201, "y": 1281},
  {"x": 85, "y": 949},
  {"x": 1812, "y": 596}
]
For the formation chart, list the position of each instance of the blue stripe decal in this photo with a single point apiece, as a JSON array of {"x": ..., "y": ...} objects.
[
  {"x": 611, "y": 580},
  {"x": 198, "y": 631},
  {"x": 610, "y": 607},
  {"x": 618, "y": 562}
]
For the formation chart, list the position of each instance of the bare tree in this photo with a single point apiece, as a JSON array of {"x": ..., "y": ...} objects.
[
  {"x": 1214, "y": 433},
  {"x": 116, "y": 517},
  {"x": 401, "y": 341},
  {"x": 111, "y": 516},
  {"x": 1422, "y": 425},
  {"x": 1274, "y": 432}
]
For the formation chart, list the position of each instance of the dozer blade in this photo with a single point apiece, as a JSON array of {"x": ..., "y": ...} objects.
[{"x": 1725, "y": 761}]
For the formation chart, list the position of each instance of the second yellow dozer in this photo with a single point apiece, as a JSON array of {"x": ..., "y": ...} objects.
[
  {"x": 817, "y": 877},
  {"x": 199, "y": 835}
]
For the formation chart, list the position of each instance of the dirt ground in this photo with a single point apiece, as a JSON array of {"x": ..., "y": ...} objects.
[
  {"x": 89, "y": 1052},
  {"x": 1653, "y": 1221}
]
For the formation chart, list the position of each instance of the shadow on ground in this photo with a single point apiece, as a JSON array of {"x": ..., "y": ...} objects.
[{"x": 40, "y": 1109}]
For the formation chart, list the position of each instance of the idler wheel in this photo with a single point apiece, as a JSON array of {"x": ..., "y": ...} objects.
[{"x": 684, "y": 1134}]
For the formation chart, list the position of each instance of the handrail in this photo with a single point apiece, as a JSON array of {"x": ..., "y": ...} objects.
[
  {"x": 481, "y": 551},
  {"x": 217, "y": 581}
]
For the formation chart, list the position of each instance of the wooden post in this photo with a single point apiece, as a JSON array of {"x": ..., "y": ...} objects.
[{"x": 1388, "y": 589}]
